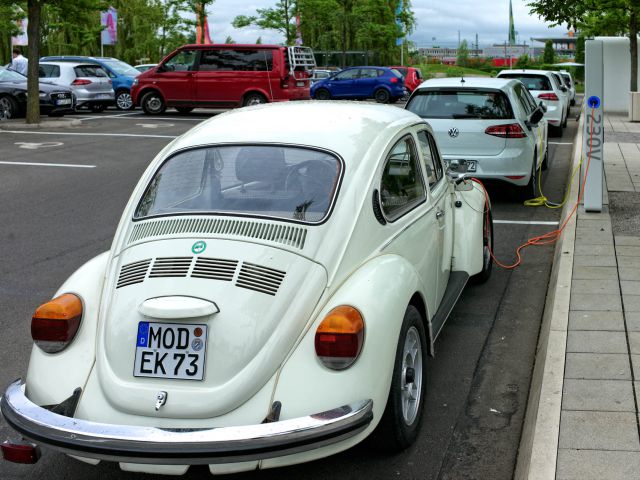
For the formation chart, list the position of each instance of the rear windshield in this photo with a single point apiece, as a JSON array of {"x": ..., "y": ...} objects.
[
  {"x": 89, "y": 71},
  {"x": 461, "y": 104},
  {"x": 532, "y": 82},
  {"x": 269, "y": 181}
]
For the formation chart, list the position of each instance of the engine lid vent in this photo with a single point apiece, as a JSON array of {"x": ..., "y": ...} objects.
[
  {"x": 285, "y": 234},
  {"x": 214, "y": 268},
  {"x": 260, "y": 279},
  {"x": 171, "y": 267},
  {"x": 133, "y": 273}
]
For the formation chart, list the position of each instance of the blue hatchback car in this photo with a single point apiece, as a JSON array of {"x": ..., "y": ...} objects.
[
  {"x": 385, "y": 85},
  {"x": 121, "y": 74}
]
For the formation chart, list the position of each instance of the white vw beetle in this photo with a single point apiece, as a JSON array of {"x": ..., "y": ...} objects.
[{"x": 274, "y": 287}]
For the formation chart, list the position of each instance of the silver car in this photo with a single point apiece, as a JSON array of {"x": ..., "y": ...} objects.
[{"x": 89, "y": 83}]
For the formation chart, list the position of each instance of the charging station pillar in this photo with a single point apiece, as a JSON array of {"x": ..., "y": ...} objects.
[{"x": 593, "y": 137}]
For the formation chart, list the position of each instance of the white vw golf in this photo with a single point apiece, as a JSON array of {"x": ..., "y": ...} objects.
[
  {"x": 491, "y": 128},
  {"x": 273, "y": 291}
]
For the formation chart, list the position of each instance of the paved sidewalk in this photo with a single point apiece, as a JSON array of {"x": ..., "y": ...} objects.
[{"x": 582, "y": 414}]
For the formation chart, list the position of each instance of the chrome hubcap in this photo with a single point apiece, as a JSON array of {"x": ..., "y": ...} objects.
[
  {"x": 124, "y": 101},
  {"x": 411, "y": 380},
  {"x": 5, "y": 108},
  {"x": 255, "y": 101},
  {"x": 154, "y": 103}
]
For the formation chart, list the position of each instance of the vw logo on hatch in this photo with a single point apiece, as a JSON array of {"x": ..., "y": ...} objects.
[
  {"x": 454, "y": 132},
  {"x": 199, "y": 247}
]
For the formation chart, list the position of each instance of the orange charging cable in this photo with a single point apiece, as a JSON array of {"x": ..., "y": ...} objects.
[{"x": 550, "y": 237}]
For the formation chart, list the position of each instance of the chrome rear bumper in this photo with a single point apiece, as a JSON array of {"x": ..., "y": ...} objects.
[{"x": 177, "y": 446}]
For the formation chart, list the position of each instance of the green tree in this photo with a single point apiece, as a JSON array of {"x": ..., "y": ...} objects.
[
  {"x": 229, "y": 40},
  {"x": 9, "y": 13},
  {"x": 523, "y": 61},
  {"x": 259, "y": 41},
  {"x": 280, "y": 18},
  {"x": 579, "y": 57},
  {"x": 463, "y": 54},
  {"x": 595, "y": 17},
  {"x": 549, "y": 54}
]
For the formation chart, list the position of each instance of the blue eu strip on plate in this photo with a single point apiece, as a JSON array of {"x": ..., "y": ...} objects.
[{"x": 143, "y": 334}]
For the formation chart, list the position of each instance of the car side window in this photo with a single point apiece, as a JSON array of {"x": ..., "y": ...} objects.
[
  {"x": 368, "y": 73},
  {"x": 347, "y": 74},
  {"x": 401, "y": 186},
  {"x": 432, "y": 164},
  {"x": 49, "y": 71},
  {"x": 182, "y": 61},
  {"x": 524, "y": 104},
  {"x": 530, "y": 100}
]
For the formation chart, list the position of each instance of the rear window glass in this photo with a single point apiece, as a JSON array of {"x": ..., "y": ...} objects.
[
  {"x": 89, "y": 71},
  {"x": 403, "y": 71},
  {"x": 49, "y": 71},
  {"x": 237, "y": 60},
  {"x": 532, "y": 82},
  {"x": 461, "y": 104},
  {"x": 268, "y": 181}
]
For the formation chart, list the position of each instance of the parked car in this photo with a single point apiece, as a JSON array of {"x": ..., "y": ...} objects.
[
  {"x": 490, "y": 127},
  {"x": 227, "y": 75},
  {"x": 568, "y": 80},
  {"x": 380, "y": 83},
  {"x": 121, "y": 74},
  {"x": 412, "y": 77},
  {"x": 268, "y": 299},
  {"x": 320, "y": 74},
  {"x": 144, "y": 67},
  {"x": 89, "y": 83},
  {"x": 55, "y": 101},
  {"x": 543, "y": 85}
]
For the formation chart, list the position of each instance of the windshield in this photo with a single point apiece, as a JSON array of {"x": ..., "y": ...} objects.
[
  {"x": 11, "y": 76},
  {"x": 268, "y": 181},
  {"x": 461, "y": 104},
  {"x": 121, "y": 68}
]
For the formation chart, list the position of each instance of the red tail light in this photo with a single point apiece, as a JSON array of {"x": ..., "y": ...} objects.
[
  {"x": 20, "y": 452},
  {"x": 81, "y": 81},
  {"x": 284, "y": 82},
  {"x": 339, "y": 337},
  {"x": 512, "y": 130},
  {"x": 55, "y": 323},
  {"x": 548, "y": 96},
  {"x": 394, "y": 80}
]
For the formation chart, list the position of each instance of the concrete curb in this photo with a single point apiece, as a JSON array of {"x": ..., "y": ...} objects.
[
  {"x": 538, "y": 451},
  {"x": 22, "y": 125}
]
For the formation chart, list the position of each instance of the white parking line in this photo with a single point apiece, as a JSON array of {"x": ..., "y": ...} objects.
[
  {"x": 91, "y": 134},
  {"x": 560, "y": 143},
  {"x": 130, "y": 116},
  {"x": 33, "y": 164},
  {"x": 524, "y": 222},
  {"x": 119, "y": 115}
]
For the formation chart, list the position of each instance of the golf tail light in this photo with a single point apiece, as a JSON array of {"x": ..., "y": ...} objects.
[
  {"x": 55, "y": 323},
  {"x": 513, "y": 130},
  {"x": 548, "y": 96},
  {"x": 80, "y": 81},
  {"x": 339, "y": 337}
]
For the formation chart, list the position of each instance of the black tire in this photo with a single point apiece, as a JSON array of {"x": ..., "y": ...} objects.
[
  {"x": 184, "y": 110},
  {"x": 152, "y": 103},
  {"x": 97, "y": 107},
  {"x": 381, "y": 96},
  {"x": 566, "y": 118},
  {"x": 55, "y": 114},
  {"x": 487, "y": 248},
  {"x": 253, "y": 99},
  {"x": 396, "y": 432},
  {"x": 124, "y": 101},
  {"x": 573, "y": 102},
  {"x": 322, "y": 94},
  {"x": 545, "y": 160},
  {"x": 9, "y": 107},
  {"x": 555, "y": 130},
  {"x": 394, "y": 99},
  {"x": 529, "y": 191}
]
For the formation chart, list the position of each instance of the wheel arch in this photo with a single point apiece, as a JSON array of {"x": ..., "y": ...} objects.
[
  {"x": 146, "y": 90},
  {"x": 259, "y": 91},
  {"x": 418, "y": 302}
]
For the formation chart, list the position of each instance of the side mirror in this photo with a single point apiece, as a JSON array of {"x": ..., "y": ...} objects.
[
  {"x": 564, "y": 89},
  {"x": 536, "y": 116}
]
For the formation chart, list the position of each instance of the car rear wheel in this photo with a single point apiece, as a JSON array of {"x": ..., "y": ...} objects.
[
  {"x": 402, "y": 417},
  {"x": 184, "y": 110},
  {"x": 529, "y": 191},
  {"x": 381, "y": 96},
  {"x": 566, "y": 118},
  {"x": 253, "y": 99},
  {"x": 487, "y": 248},
  {"x": 322, "y": 94},
  {"x": 555, "y": 130},
  {"x": 97, "y": 108},
  {"x": 153, "y": 104},
  {"x": 123, "y": 100},
  {"x": 9, "y": 107},
  {"x": 545, "y": 160}
]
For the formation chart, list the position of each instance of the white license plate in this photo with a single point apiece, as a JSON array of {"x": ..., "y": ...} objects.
[
  {"x": 63, "y": 101},
  {"x": 299, "y": 84},
  {"x": 103, "y": 95},
  {"x": 170, "y": 350},
  {"x": 462, "y": 166}
]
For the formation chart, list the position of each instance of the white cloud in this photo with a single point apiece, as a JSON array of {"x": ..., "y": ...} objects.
[{"x": 435, "y": 18}]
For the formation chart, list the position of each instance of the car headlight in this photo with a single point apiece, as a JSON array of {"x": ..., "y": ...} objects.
[{"x": 135, "y": 81}]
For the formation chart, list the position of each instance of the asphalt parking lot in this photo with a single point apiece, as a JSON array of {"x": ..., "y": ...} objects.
[{"x": 63, "y": 191}]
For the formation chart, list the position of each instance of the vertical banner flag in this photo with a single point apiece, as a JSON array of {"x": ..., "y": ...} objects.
[
  {"x": 399, "y": 22},
  {"x": 21, "y": 38},
  {"x": 202, "y": 37},
  {"x": 298, "y": 32},
  {"x": 109, "y": 22}
]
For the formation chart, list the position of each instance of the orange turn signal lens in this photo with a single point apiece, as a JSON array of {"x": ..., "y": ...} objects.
[
  {"x": 339, "y": 337},
  {"x": 55, "y": 323}
]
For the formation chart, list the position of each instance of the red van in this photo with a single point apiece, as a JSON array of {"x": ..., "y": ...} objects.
[
  {"x": 226, "y": 75},
  {"x": 412, "y": 77}
]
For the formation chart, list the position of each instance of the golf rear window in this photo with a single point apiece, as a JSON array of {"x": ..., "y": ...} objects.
[
  {"x": 272, "y": 181},
  {"x": 461, "y": 104},
  {"x": 532, "y": 82},
  {"x": 89, "y": 71}
]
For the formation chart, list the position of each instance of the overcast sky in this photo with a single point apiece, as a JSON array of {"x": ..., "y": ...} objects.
[{"x": 439, "y": 19}]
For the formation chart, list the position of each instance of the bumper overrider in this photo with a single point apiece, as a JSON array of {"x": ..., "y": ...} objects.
[{"x": 181, "y": 446}]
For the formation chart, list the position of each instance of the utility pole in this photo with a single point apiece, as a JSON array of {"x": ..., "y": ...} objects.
[
  {"x": 477, "y": 47},
  {"x": 458, "y": 38}
]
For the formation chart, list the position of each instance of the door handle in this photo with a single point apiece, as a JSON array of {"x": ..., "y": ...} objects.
[{"x": 439, "y": 214}]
